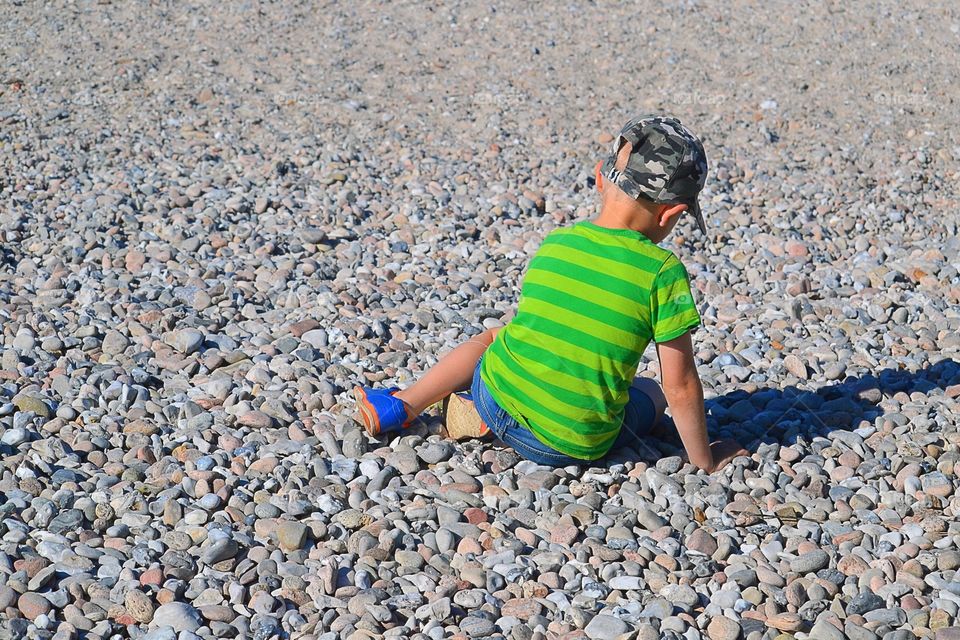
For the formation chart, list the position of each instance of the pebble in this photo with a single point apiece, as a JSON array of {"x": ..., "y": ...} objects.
[
  {"x": 603, "y": 627},
  {"x": 8, "y": 597},
  {"x": 15, "y": 437},
  {"x": 114, "y": 343},
  {"x": 650, "y": 520},
  {"x": 522, "y": 608},
  {"x": 197, "y": 266},
  {"x": 826, "y": 631},
  {"x": 291, "y": 534},
  {"x": 220, "y": 550},
  {"x": 680, "y": 595},
  {"x": 863, "y": 603},
  {"x": 625, "y": 583},
  {"x": 700, "y": 541},
  {"x": 477, "y": 626},
  {"x": 139, "y": 606},
  {"x": 178, "y": 615},
  {"x": 186, "y": 341},
  {"x": 316, "y": 338},
  {"x": 785, "y": 621},
  {"x": 722, "y": 628},
  {"x": 33, "y": 605},
  {"x": 810, "y": 562}
]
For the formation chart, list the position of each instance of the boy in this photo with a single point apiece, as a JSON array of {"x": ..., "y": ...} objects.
[{"x": 557, "y": 383}]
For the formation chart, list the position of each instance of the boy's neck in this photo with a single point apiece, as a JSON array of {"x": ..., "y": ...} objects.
[{"x": 612, "y": 217}]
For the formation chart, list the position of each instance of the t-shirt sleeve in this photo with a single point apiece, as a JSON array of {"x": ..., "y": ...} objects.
[{"x": 672, "y": 308}]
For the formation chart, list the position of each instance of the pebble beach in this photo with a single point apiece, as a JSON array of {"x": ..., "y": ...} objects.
[{"x": 217, "y": 218}]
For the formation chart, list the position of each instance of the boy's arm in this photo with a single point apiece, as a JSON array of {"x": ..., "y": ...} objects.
[{"x": 684, "y": 393}]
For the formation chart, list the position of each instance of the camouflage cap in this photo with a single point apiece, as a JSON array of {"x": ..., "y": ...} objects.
[{"x": 666, "y": 165}]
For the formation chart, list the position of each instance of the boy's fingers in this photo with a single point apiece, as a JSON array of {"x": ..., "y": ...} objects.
[
  {"x": 724, "y": 451},
  {"x": 732, "y": 445}
]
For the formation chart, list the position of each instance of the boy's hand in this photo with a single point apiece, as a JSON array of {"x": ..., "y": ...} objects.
[{"x": 723, "y": 452}]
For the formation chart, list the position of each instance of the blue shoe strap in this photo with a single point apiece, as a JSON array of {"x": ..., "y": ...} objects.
[{"x": 390, "y": 409}]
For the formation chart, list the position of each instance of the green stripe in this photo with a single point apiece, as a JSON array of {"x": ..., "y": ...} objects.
[
  {"x": 596, "y": 288},
  {"x": 592, "y": 452},
  {"x": 638, "y": 276},
  {"x": 524, "y": 330},
  {"x": 572, "y": 374},
  {"x": 563, "y": 330},
  {"x": 598, "y": 313},
  {"x": 639, "y": 243},
  {"x": 566, "y": 403},
  {"x": 582, "y": 433},
  {"x": 536, "y": 352},
  {"x": 673, "y": 308},
  {"x": 669, "y": 334},
  {"x": 562, "y": 266},
  {"x": 546, "y": 387},
  {"x": 667, "y": 279},
  {"x": 633, "y": 257},
  {"x": 674, "y": 312}
]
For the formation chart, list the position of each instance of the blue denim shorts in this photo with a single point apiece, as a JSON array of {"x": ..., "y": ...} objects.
[{"x": 638, "y": 420}]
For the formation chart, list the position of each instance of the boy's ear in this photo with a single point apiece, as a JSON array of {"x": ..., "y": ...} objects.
[
  {"x": 598, "y": 176},
  {"x": 669, "y": 212}
]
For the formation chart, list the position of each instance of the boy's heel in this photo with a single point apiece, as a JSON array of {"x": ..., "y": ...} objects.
[
  {"x": 461, "y": 419},
  {"x": 368, "y": 415}
]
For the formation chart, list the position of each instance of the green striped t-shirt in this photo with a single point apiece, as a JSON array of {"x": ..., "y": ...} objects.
[{"x": 591, "y": 301}]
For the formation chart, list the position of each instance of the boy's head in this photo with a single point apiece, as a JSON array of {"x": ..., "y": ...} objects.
[{"x": 656, "y": 161}]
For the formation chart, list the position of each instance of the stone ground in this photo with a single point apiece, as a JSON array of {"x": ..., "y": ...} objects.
[{"x": 218, "y": 217}]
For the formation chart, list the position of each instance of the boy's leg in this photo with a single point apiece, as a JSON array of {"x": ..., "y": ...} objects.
[
  {"x": 650, "y": 388},
  {"x": 453, "y": 373},
  {"x": 642, "y": 417}
]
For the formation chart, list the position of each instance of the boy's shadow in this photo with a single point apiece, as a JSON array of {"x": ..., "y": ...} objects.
[{"x": 784, "y": 416}]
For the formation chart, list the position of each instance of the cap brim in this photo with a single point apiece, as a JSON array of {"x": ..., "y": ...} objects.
[{"x": 698, "y": 214}]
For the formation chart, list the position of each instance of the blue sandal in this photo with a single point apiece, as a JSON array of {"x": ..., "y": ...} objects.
[{"x": 380, "y": 410}]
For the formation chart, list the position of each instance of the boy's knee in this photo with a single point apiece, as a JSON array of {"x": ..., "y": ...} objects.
[{"x": 652, "y": 390}]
